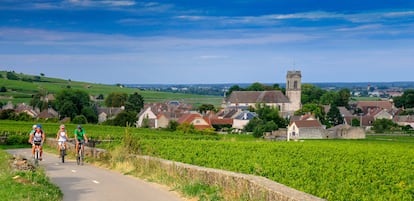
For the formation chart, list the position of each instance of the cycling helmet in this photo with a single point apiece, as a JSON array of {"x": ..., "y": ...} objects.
[
  {"x": 79, "y": 126},
  {"x": 34, "y": 126},
  {"x": 39, "y": 126}
]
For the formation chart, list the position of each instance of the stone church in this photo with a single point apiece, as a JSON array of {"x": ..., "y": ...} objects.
[{"x": 287, "y": 104}]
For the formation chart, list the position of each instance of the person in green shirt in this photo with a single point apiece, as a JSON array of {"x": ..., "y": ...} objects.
[{"x": 80, "y": 137}]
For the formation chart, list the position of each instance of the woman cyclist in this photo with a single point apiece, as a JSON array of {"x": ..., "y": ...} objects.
[
  {"x": 62, "y": 137},
  {"x": 37, "y": 138}
]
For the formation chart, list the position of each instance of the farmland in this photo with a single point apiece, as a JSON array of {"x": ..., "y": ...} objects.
[
  {"x": 378, "y": 168},
  {"x": 19, "y": 91}
]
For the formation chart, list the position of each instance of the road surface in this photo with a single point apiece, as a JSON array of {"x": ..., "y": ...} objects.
[{"x": 90, "y": 183}]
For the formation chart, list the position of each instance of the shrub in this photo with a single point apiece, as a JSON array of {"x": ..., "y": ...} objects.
[
  {"x": 17, "y": 139},
  {"x": 79, "y": 119}
]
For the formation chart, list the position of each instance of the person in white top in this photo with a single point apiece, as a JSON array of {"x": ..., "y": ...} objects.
[
  {"x": 62, "y": 137},
  {"x": 37, "y": 138}
]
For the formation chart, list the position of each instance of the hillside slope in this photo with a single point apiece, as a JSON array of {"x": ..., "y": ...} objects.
[{"x": 22, "y": 86}]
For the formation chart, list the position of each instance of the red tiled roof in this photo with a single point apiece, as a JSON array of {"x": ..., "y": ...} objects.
[
  {"x": 307, "y": 123},
  {"x": 216, "y": 121},
  {"x": 380, "y": 104}
]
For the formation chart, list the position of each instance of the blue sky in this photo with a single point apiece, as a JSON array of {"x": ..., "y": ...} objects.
[{"x": 187, "y": 41}]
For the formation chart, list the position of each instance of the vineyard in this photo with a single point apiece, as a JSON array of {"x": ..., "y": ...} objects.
[{"x": 373, "y": 169}]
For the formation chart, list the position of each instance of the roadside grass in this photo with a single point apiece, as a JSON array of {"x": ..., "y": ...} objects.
[
  {"x": 25, "y": 185},
  {"x": 119, "y": 160}
]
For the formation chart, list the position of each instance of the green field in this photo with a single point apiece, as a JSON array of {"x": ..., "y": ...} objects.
[
  {"x": 378, "y": 168},
  {"x": 19, "y": 91}
]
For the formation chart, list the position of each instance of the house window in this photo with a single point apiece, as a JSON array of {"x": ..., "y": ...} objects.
[
  {"x": 197, "y": 121},
  {"x": 295, "y": 85}
]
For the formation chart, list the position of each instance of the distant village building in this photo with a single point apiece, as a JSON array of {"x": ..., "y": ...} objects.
[{"x": 286, "y": 104}]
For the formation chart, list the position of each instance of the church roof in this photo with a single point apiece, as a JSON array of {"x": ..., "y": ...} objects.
[{"x": 257, "y": 97}]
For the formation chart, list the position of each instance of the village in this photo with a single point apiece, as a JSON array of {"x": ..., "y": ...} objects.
[{"x": 235, "y": 114}]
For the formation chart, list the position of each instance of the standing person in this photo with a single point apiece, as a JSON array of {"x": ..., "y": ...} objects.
[
  {"x": 37, "y": 138},
  {"x": 80, "y": 137},
  {"x": 62, "y": 137}
]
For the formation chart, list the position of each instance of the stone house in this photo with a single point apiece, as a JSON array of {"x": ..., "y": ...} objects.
[
  {"x": 158, "y": 115},
  {"x": 306, "y": 129},
  {"x": 105, "y": 113},
  {"x": 367, "y": 106},
  {"x": 48, "y": 114},
  {"x": 23, "y": 108},
  {"x": 242, "y": 119},
  {"x": 197, "y": 120},
  {"x": 404, "y": 120}
]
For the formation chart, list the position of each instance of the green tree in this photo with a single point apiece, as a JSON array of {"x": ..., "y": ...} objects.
[
  {"x": 328, "y": 98},
  {"x": 67, "y": 109},
  {"x": 267, "y": 113},
  {"x": 311, "y": 93},
  {"x": 70, "y": 103},
  {"x": 7, "y": 114},
  {"x": 234, "y": 88},
  {"x": 343, "y": 98},
  {"x": 206, "y": 107},
  {"x": 256, "y": 87},
  {"x": 125, "y": 118},
  {"x": 406, "y": 100},
  {"x": 255, "y": 122},
  {"x": 116, "y": 99},
  {"x": 334, "y": 116},
  {"x": 381, "y": 125},
  {"x": 314, "y": 109},
  {"x": 12, "y": 76},
  {"x": 3, "y": 89},
  {"x": 355, "y": 122},
  {"x": 268, "y": 120},
  {"x": 90, "y": 113},
  {"x": 135, "y": 102}
]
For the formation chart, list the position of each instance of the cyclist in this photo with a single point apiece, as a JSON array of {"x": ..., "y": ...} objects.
[
  {"x": 80, "y": 137},
  {"x": 31, "y": 132},
  {"x": 37, "y": 138},
  {"x": 61, "y": 137}
]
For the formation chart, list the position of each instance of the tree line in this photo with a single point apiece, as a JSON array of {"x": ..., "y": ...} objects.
[{"x": 78, "y": 106}]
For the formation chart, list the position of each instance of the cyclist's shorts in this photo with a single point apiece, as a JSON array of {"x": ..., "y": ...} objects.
[{"x": 37, "y": 143}]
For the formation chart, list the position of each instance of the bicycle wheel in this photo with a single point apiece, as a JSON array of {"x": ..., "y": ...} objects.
[
  {"x": 62, "y": 154},
  {"x": 36, "y": 158},
  {"x": 78, "y": 158},
  {"x": 81, "y": 157}
]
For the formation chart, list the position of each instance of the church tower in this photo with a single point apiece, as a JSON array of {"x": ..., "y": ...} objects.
[{"x": 293, "y": 89}]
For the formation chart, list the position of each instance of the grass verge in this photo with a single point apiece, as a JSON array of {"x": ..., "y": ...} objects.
[{"x": 25, "y": 185}]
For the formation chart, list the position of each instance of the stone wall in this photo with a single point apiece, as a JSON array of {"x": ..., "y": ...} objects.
[
  {"x": 311, "y": 133},
  {"x": 250, "y": 186}
]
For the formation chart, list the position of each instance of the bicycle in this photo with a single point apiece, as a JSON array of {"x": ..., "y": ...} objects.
[
  {"x": 37, "y": 153},
  {"x": 62, "y": 151},
  {"x": 79, "y": 157}
]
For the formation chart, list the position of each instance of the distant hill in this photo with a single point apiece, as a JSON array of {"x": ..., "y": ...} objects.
[{"x": 20, "y": 88}]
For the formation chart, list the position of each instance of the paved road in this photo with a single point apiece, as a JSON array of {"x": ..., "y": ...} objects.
[{"x": 89, "y": 183}]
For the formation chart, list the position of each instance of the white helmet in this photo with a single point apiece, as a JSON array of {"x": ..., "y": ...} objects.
[{"x": 34, "y": 126}]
